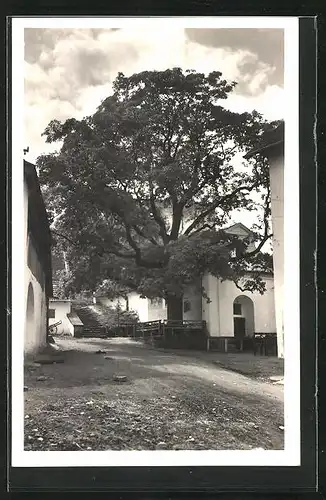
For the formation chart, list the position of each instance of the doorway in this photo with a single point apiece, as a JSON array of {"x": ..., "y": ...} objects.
[
  {"x": 239, "y": 327},
  {"x": 243, "y": 317}
]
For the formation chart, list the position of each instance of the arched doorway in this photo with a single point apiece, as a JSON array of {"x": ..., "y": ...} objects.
[
  {"x": 29, "y": 314},
  {"x": 243, "y": 317}
]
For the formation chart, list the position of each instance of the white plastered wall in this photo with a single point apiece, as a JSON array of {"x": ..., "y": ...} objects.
[
  {"x": 276, "y": 170},
  {"x": 218, "y": 314},
  {"x": 61, "y": 308},
  {"x": 35, "y": 322}
]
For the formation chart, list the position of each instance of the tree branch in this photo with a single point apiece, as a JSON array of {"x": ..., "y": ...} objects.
[
  {"x": 216, "y": 204},
  {"x": 205, "y": 226},
  {"x": 143, "y": 235},
  {"x": 103, "y": 250},
  {"x": 158, "y": 219},
  {"x": 266, "y": 236},
  {"x": 138, "y": 258},
  {"x": 259, "y": 247},
  {"x": 239, "y": 287},
  {"x": 176, "y": 220}
]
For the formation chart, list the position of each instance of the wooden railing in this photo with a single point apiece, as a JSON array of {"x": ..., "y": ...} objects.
[
  {"x": 187, "y": 333},
  {"x": 265, "y": 344},
  {"x": 184, "y": 324},
  {"x": 149, "y": 329},
  {"x": 183, "y": 334},
  {"x": 124, "y": 330}
]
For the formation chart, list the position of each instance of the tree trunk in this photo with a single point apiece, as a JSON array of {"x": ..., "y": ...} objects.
[{"x": 174, "y": 308}]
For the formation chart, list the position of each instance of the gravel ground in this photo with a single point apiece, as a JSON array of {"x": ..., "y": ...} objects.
[
  {"x": 258, "y": 367},
  {"x": 167, "y": 402}
]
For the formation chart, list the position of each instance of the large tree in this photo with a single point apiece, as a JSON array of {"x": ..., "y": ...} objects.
[{"x": 138, "y": 192}]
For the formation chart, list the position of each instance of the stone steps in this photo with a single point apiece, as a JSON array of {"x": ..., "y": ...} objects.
[{"x": 92, "y": 327}]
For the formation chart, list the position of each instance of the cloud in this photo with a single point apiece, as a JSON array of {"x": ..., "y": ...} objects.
[
  {"x": 265, "y": 46},
  {"x": 69, "y": 71},
  {"x": 72, "y": 60},
  {"x": 252, "y": 76},
  {"x": 38, "y": 40}
]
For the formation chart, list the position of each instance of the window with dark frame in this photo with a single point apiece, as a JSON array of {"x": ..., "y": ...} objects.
[
  {"x": 186, "y": 306},
  {"x": 51, "y": 313},
  {"x": 157, "y": 302},
  {"x": 237, "y": 309}
]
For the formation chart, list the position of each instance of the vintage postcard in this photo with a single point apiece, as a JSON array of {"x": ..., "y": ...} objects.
[{"x": 155, "y": 242}]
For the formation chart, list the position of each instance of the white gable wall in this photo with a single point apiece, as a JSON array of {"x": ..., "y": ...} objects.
[
  {"x": 218, "y": 314},
  {"x": 241, "y": 232},
  {"x": 61, "y": 308}
]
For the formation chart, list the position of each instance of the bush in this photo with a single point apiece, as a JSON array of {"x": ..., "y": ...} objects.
[{"x": 112, "y": 317}]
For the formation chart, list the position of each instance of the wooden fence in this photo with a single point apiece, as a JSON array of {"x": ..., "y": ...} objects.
[
  {"x": 191, "y": 334},
  {"x": 179, "y": 334}
]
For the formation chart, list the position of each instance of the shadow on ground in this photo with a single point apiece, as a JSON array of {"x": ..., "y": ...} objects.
[{"x": 181, "y": 402}]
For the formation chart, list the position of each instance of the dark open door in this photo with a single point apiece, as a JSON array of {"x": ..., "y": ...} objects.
[{"x": 239, "y": 327}]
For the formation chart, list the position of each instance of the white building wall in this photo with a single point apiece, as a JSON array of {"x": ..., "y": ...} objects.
[
  {"x": 35, "y": 323},
  {"x": 35, "y": 331},
  {"x": 218, "y": 314},
  {"x": 35, "y": 328},
  {"x": 276, "y": 170},
  {"x": 248, "y": 312},
  {"x": 62, "y": 308},
  {"x": 136, "y": 303},
  {"x": 264, "y": 309},
  {"x": 25, "y": 220},
  {"x": 105, "y": 301},
  {"x": 157, "y": 310},
  {"x": 211, "y": 310}
]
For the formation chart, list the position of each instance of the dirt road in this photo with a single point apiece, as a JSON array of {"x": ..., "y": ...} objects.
[{"x": 167, "y": 402}]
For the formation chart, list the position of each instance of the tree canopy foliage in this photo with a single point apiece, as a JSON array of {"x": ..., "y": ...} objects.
[{"x": 139, "y": 191}]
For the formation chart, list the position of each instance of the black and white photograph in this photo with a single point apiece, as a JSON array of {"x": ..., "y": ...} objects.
[{"x": 155, "y": 242}]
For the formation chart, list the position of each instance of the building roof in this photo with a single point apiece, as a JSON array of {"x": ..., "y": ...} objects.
[
  {"x": 237, "y": 225},
  {"x": 54, "y": 299},
  {"x": 38, "y": 223},
  {"x": 268, "y": 141}
]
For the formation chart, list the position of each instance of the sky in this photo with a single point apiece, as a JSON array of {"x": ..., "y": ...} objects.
[{"x": 68, "y": 72}]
